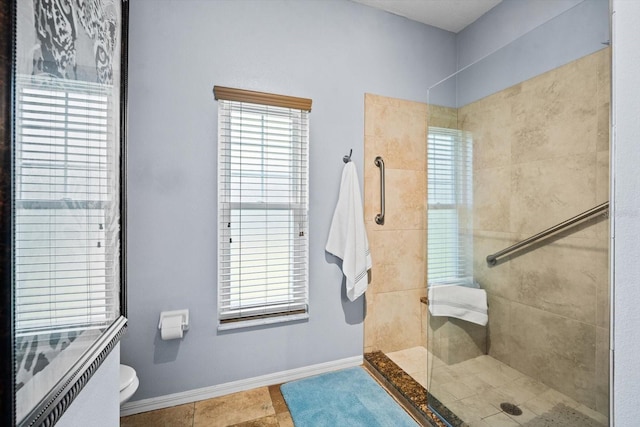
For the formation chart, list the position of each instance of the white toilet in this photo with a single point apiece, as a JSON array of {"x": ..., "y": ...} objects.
[{"x": 128, "y": 383}]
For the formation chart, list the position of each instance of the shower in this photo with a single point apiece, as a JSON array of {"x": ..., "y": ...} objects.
[{"x": 497, "y": 187}]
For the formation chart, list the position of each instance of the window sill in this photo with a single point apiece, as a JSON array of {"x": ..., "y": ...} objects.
[{"x": 241, "y": 324}]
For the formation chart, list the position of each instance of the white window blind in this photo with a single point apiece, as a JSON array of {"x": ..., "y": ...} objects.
[
  {"x": 66, "y": 203},
  {"x": 449, "y": 175},
  {"x": 263, "y": 205}
]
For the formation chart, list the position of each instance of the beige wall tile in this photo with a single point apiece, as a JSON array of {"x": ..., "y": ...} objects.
[
  {"x": 602, "y": 371},
  {"x": 434, "y": 333},
  {"x": 396, "y": 130},
  {"x": 377, "y": 249},
  {"x": 603, "y": 291},
  {"x": 602, "y": 176},
  {"x": 545, "y": 193},
  {"x": 410, "y": 154},
  {"x": 371, "y": 178},
  {"x": 497, "y": 279},
  {"x": 604, "y": 98},
  {"x": 556, "y": 132},
  {"x": 443, "y": 117},
  {"x": 555, "y": 350},
  {"x": 373, "y": 147},
  {"x": 370, "y": 323},
  {"x": 555, "y": 116},
  {"x": 603, "y": 140},
  {"x": 560, "y": 277},
  {"x": 603, "y": 66},
  {"x": 499, "y": 328},
  {"x": 401, "y": 260},
  {"x": 546, "y": 105},
  {"x": 406, "y": 193},
  {"x": 487, "y": 121},
  {"x": 400, "y": 127},
  {"x": 492, "y": 199},
  {"x": 458, "y": 340},
  {"x": 424, "y": 325},
  {"x": 398, "y": 320}
]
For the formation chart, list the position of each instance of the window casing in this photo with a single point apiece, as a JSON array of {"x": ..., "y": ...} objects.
[
  {"x": 263, "y": 213},
  {"x": 450, "y": 191}
]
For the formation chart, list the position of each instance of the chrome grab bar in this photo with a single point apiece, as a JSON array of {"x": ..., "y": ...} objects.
[
  {"x": 380, "y": 163},
  {"x": 493, "y": 258}
]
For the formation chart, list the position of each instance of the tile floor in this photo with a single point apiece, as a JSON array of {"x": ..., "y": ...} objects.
[
  {"x": 474, "y": 389},
  {"x": 260, "y": 407}
]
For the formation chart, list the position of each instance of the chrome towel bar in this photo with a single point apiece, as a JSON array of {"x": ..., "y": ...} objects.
[
  {"x": 493, "y": 258},
  {"x": 380, "y": 217}
]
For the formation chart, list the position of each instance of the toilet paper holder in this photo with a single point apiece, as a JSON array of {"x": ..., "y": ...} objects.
[{"x": 184, "y": 314}]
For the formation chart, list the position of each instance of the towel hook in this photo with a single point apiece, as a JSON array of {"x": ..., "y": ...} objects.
[{"x": 347, "y": 159}]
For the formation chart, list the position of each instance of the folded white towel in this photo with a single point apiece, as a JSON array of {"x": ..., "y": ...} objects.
[
  {"x": 348, "y": 237},
  {"x": 461, "y": 302}
]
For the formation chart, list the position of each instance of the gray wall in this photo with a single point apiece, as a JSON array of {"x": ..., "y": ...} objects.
[
  {"x": 553, "y": 40},
  {"x": 626, "y": 211},
  {"x": 330, "y": 51},
  {"x": 504, "y": 23},
  {"x": 98, "y": 404}
]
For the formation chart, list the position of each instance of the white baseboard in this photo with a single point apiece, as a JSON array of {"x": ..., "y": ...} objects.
[{"x": 166, "y": 401}]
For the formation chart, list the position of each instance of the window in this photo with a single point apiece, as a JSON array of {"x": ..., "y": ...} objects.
[
  {"x": 262, "y": 211},
  {"x": 66, "y": 220},
  {"x": 450, "y": 244}
]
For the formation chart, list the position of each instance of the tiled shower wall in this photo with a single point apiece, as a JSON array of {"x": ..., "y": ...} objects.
[
  {"x": 396, "y": 130},
  {"x": 541, "y": 155}
]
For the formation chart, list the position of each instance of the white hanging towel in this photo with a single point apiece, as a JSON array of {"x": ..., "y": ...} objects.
[
  {"x": 461, "y": 302},
  {"x": 348, "y": 237}
]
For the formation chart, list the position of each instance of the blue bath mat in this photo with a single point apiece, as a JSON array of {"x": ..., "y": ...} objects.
[{"x": 349, "y": 397}]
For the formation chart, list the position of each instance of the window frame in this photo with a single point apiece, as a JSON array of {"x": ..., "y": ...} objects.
[
  {"x": 461, "y": 203},
  {"x": 293, "y": 308}
]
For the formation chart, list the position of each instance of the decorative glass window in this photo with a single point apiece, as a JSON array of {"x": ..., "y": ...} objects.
[
  {"x": 67, "y": 211},
  {"x": 66, "y": 184}
]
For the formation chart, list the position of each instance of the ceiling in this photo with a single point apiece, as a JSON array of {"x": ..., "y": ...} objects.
[{"x": 450, "y": 15}]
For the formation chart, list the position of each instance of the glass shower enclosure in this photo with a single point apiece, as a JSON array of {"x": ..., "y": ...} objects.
[{"x": 517, "y": 150}]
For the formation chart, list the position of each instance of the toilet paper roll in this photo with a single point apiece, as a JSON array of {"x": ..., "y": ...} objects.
[{"x": 171, "y": 328}]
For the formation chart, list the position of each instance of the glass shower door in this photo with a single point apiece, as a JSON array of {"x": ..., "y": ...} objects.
[{"x": 519, "y": 142}]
